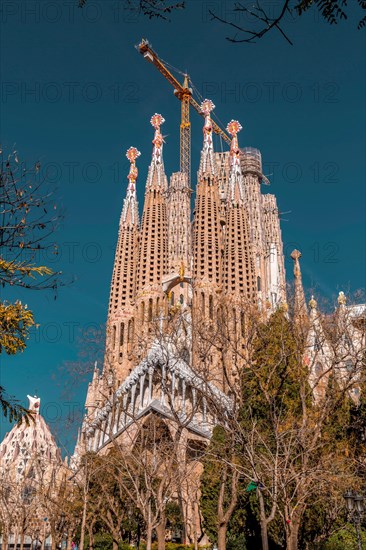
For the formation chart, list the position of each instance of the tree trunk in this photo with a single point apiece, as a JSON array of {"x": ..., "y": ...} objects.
[
  {"x": 264, "y": 534},
  {"x": 22, "y": 540},
  {"x": 91, "y": 536},
  {"x": 160, "y": 531},
  {"x": 221, "y": 536},
  {"x": 293, "y": 533},
  {"x": 53, "y": 538},
  {"x": 263, "y": 521},
  {"x": 16, "y": 536},
  {"x": 83, "y": 524},
  {"x": 69, "y": 539},
  {"x": 115, "y": 545},
  {"x": 5, "y": 540},
  {"x": 148, "y": 536}
]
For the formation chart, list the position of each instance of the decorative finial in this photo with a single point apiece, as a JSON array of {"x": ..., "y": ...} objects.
[
  {"x": 235, "y": 185},
  {"x": 157, "y": 120},
  {"x": 300, "y": 309},
  {"x": 157, "y": 155},
  {"x": 207, "y": 107},
  {"x": 296, "y": 255},
  {"x": 234, "y": 127},
  {"x": 313, "y": 303},
  {"x": 342, "y": 300},
  {"x": 132, "y": 154},
  {"x": 34, "y": 404}
]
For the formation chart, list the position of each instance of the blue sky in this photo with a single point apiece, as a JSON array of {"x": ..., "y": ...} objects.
[{"x": 76, "y": 94}]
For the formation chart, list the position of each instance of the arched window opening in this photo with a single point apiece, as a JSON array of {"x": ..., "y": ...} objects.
[
  {"x": 234, "y": 321},
  {"x": 150, "y": 315},
  {"x": 130, "y": 330},
  {"x": 181, "y": 299},
  {"x": 210, "y": 307},
  {"x": 122, "y": 334},
  {"x": 203, "y": 302},
  {"x": 259, "y": 284},
  {"x": 142, "y": 311},
  {"x": 114, "y": 336},
  {"x": 242, "y": 324}
]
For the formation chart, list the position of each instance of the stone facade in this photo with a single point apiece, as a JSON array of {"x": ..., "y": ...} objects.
[{"x": 32, "y": 476}]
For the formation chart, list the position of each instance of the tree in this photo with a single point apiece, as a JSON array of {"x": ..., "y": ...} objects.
[
  {"x": 150, "y": 8},
  {"x": 263, "y": 18},
  {"x": 220, "y": 486},
  {"x": 288, "y": 435},
  {"x": 28, "y": 217}
]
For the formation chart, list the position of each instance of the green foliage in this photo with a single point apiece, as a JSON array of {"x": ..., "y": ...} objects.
[
  {"x": 15, "y": 323},
  {"x": 272, "y": 386},
  {"x": 219, "y": 454},
  {"x": 345, "y": 539},
  {"x": 236, "y": 542}
]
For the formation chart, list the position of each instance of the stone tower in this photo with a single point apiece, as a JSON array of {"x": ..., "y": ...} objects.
[
  {"x": 153, "y": 250},
  {"x": 239, "y": 280},
  {"x": 207, "y": 234},
  {"x": 120, "y": 324},
  {"x": 229, "y": 252}
]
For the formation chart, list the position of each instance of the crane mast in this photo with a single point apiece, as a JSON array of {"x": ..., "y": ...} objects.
[{"x": 184, "y": 93}]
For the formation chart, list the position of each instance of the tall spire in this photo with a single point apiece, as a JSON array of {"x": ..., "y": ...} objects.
[
  {"x": 236, "y": 186},
  {"x": 156, "y": 176},
  {"x": 239, "y": 260},
  {"x": 300, "y": 309},
  {"x": 207, "y": 164},
  {"x": 207, "y": 233},
  {"x": 123, "y": 285},
  {"x": 153, "y": 248},
  {"x": 130, "y": 208}
]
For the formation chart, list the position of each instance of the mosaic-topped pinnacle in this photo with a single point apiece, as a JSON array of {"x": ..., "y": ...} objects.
[
  {"x": 342, "y": 300},
  {"x": 132, "y": 154},
  {"x": 207, "y": 106},
  {"x": 295, "y": 255},
  {"x": 313, "y": 303},
  {"x": 157, "y": 120},
  {"x": 234, "y": 127}
]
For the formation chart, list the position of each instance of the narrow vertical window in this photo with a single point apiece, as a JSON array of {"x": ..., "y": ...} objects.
[
  {"x": 258, "y": 283},
  {"x": 122, "y": 334},
  {"x": 242, "y": 324},
  {"x": 210, "y": 306}
]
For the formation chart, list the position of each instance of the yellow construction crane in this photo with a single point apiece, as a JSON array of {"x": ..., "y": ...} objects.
[{"x": 184, "y": 93}]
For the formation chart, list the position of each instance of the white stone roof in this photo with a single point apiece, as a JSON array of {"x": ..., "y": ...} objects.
[{"x": 24, "y": 443}]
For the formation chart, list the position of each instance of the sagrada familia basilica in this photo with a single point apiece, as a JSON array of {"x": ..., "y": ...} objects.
[{"x": 179, "y": 279}]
